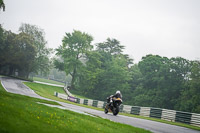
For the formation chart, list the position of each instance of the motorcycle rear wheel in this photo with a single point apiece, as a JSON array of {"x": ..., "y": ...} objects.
[{"x": 106, "y": 110}]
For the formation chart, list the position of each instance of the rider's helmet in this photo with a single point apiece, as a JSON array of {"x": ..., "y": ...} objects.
[{"x": 118, "y": 92}]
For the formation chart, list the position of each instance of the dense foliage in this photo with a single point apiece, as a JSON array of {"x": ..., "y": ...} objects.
[
  {"x": 23, "y": 53},
  {"x": 171, "y": 83}
]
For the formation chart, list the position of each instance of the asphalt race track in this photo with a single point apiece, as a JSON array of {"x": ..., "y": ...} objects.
[{"x": 16, "y": 86}]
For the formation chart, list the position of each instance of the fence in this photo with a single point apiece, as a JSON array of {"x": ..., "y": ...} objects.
[{"x": 165, "y": 114}]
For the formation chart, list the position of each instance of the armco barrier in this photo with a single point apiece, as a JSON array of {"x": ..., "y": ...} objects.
[
  {"x": 100, "y": 104},
  {"x": 183, "y": 117},
  {"x": 81, "y": 101},
  {"x": 63, "y": 96},
  {"x": 95, "y": 103},
  {"x": 135, "y": 110},
  {"x": 156, "y": 113},
  {"x": 165, "y": 114},
  {"x": 85, "y": 102},
  {"x": 78, "y": 100},
  {"x": 145, "y": 111},
  {"x": 127, "y": 109},
  {"x": 195, "y": 120},
  {"x": 90, "y": 102},
  {"x": 72, "y": 99},
  {"x": 67, "y": 91},
  {"x": 56, "y": 94},
  {"x": 168, "y": 115},
  {"x": 121, "y": 108}
]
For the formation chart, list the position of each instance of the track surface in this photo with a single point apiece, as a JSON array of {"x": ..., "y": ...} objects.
[{"x": 16, "y": 86}]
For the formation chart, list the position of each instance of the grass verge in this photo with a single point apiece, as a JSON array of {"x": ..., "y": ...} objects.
[
  {"x": 48, "y": 92},
  {"x": 21, "y": 114},
  {"x": 47, "y": 81}
]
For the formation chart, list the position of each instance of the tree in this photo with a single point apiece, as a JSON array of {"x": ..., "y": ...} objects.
[
  {"x": 162, "y": 79},
  {"x": 42, "y": 61},
  {"x": 2, "y": 38},
  {"x": 90, "y": 75},
  {"x": 2, "y": 5},
  {"x": 2, "y": 46},
  {"x": 17, "y": 53},
  {"x": 162, "y": 82},
  {"x": 111, "y": 46},
  {"x": 7, "y": 52},
  {"x": 115, "y": 77},
  {"x": 74, "y": 48},
  {"x": 181, "y": 67},
  {"x": 150, "y": 67},
  {"x": 25, "y": 54},
  {"x": 189, "y": 99},
  {"x": 110, "y": 73},
  {"x": 59, "y": 64}
]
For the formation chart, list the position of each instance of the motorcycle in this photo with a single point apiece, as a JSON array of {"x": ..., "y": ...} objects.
[{"x": 113, "y": 106}]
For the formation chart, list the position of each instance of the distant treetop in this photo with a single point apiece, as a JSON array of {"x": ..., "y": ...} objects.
[{"x": 2, "y": 5}]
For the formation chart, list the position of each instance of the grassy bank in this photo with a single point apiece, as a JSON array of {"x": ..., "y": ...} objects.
[
  {"x": 21, "y": 114},
  {"x": 47, "y": 81}
]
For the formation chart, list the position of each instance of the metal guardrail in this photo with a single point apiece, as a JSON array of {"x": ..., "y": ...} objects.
[
  {"x": 195, "y": 119},
  {"x": 165, "y": 114},
  {"x": 135, "y": 110},
  {"x": 156, "y": 113},
  {"x": 183, "y": 117},
  {"x": 168, "y": 115}
]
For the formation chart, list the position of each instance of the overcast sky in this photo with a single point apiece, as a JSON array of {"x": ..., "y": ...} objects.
[{"x": 168, "y": 28}]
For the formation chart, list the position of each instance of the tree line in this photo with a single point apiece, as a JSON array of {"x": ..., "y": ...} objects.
[
  {"x": 25, "y": 52},
  {"x": 98, "y": 71}
]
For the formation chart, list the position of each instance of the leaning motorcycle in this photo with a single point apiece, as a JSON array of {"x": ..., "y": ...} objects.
[{"x": 113, "y": 106}]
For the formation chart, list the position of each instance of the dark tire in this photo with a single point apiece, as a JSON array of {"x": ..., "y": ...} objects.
[
  {"x": 106, "y": 110},
  {"x": 116, "y": 110}
]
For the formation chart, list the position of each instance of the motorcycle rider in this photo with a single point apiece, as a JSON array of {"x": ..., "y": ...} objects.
[{"x": 116, "y": 95}]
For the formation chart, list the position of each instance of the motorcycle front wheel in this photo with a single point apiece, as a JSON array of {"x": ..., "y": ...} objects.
[{"x": 116, "y": 110}]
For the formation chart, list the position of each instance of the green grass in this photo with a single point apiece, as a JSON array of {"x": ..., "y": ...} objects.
[
  {"x": 21, "y": 114},
  {"x": 1, "y": 88},
  {"x": 47, "y": 81},
  {"x": 46, "y": 93}
]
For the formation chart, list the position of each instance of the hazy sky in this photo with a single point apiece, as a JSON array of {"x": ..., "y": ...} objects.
[{"x": 168, "y": 28}]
